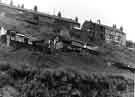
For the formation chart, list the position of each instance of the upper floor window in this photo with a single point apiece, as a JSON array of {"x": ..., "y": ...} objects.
[
  {"x": 111, "y": 37},
  {"x": 119, "y": 38}
]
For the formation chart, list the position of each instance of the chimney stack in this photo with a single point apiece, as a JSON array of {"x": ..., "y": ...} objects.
[
  {"x": 59, "y": 14},
  {"x": 22, "y": 6},
  {"x": 114, "y": 25},
  {"x": 90, "y": 20},
  {"x": 11, "y": 3},
  {"x": 35, "y": 8},
  {"x": 121, "y": 29},
  {"x": 76, "y": 19},
  {"x": 98, "y": 21}
]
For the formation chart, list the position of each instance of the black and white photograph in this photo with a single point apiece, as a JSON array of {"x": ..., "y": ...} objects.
[{"x": 67, "y": 48}]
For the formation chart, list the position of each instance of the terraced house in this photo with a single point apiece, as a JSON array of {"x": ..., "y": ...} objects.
[
  {"x": 35, "y": 23},
  {"x": 99, "y": 32},
  {"x": 93, "y": 31},
  {"x": 115, "y": 35}
]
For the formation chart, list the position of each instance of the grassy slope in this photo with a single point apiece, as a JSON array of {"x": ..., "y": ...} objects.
[
  {"x": 64, "y": 61},
  {"x": 120, "y": 54},
  {"x": 13, "y": 18},
  {"x": 73, "y": 61},
  {"x": 93, "y": 67}
]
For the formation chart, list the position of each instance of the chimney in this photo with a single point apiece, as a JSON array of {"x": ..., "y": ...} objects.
[
  {"x": 11, "y": 3},
  {"x": 22, "y": 6},
  {"x": 76, "y": 19},
  {"x": 114, "y": 25},
  {"x": 98, "y": 21},
  {"x": 90, "y": 20},
  {"x": 121, "y": 29},
  {"x": 18, "y": 5},
  {"x": 59, "y": 14},
  {"x": 35, "y": 8}
]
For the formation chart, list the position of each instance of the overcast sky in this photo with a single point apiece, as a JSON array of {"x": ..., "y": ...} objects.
[{"x": 120, "y": 12}]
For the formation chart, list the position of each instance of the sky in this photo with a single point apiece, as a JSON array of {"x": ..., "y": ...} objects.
[{"x": 119, "y": 12}]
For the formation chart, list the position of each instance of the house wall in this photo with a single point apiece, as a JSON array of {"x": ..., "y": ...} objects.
[
  {"x": 124, "y": 39},
  {"x": 57, "y": 26},
  {"x": 99, "y": 32},
  {"x": 33, "y": 22},
  {"x": 96, "y": 32},
  {"x": 84, "y": 35},
  {"x": 112, "y": 35},
  {"x": 46, "y": 28},
  {"x": 3, "y": 31}
]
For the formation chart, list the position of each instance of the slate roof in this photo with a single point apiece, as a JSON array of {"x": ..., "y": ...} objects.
[
  {"x": 107, "y": 27},
  {"x": 42, "y": 14}
]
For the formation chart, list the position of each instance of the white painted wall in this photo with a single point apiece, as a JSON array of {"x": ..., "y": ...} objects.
[{"x": 3, "y": 31}]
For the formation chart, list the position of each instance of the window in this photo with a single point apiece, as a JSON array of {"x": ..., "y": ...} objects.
[
  {"x": 119, "y": 38},
  {"x": 111, "y": 36},
  {"x": 19, "y": 38},
  {"x": 102, "y": 36}
]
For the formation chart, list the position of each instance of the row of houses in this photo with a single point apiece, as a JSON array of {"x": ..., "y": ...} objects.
[
  {"x": 99, "y": 32},
  {"x": 89, "y": 31}
]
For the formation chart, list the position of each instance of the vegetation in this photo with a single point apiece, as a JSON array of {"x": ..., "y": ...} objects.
[
  {"x": 67, "y": 74},
  {"x": 33, "y": 82}
]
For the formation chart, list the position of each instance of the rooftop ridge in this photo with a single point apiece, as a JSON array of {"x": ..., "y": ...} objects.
[
  {"x": 40, "y": 13},
  {"x": 109, "y": 27}
]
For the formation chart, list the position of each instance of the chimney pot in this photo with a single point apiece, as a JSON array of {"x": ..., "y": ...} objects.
[
  {"x": 98, "y": 21},
  {"x": 59, "y": 14},
  {"x": 35, "y": 8},
  {"x": 76, "y": 19},
  {"x": 22, "y": 6},
  {"x": 121, "y": 28},
  {"x": 114, "y": 25}
]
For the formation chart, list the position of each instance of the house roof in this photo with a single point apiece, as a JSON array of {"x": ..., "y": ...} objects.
[
  {"x": 114, "y": 29},
  {"x": 43, "y": 14},
  {"x": 107, "y": 27},
  {"x": 38, "y": 37}
]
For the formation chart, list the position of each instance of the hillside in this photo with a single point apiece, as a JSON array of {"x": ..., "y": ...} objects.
[
  {"x": 30, "y": 73},
  {"x": 22, "y": 66},
  {"x": 121, "y": 54}
]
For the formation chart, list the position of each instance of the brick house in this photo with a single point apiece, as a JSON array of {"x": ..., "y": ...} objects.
[
  {"x": 93, "y": 31},
  {"x": 47, "y": 23},
  {"x": 115, "y": 35},
  {"x": 98, "y": 32},
  {"x": 33, "y": 22}
]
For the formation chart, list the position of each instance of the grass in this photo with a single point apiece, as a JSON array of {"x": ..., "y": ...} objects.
[
  {"x": 89, "y": 69},
  {"x": 30, "y": 81}
]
